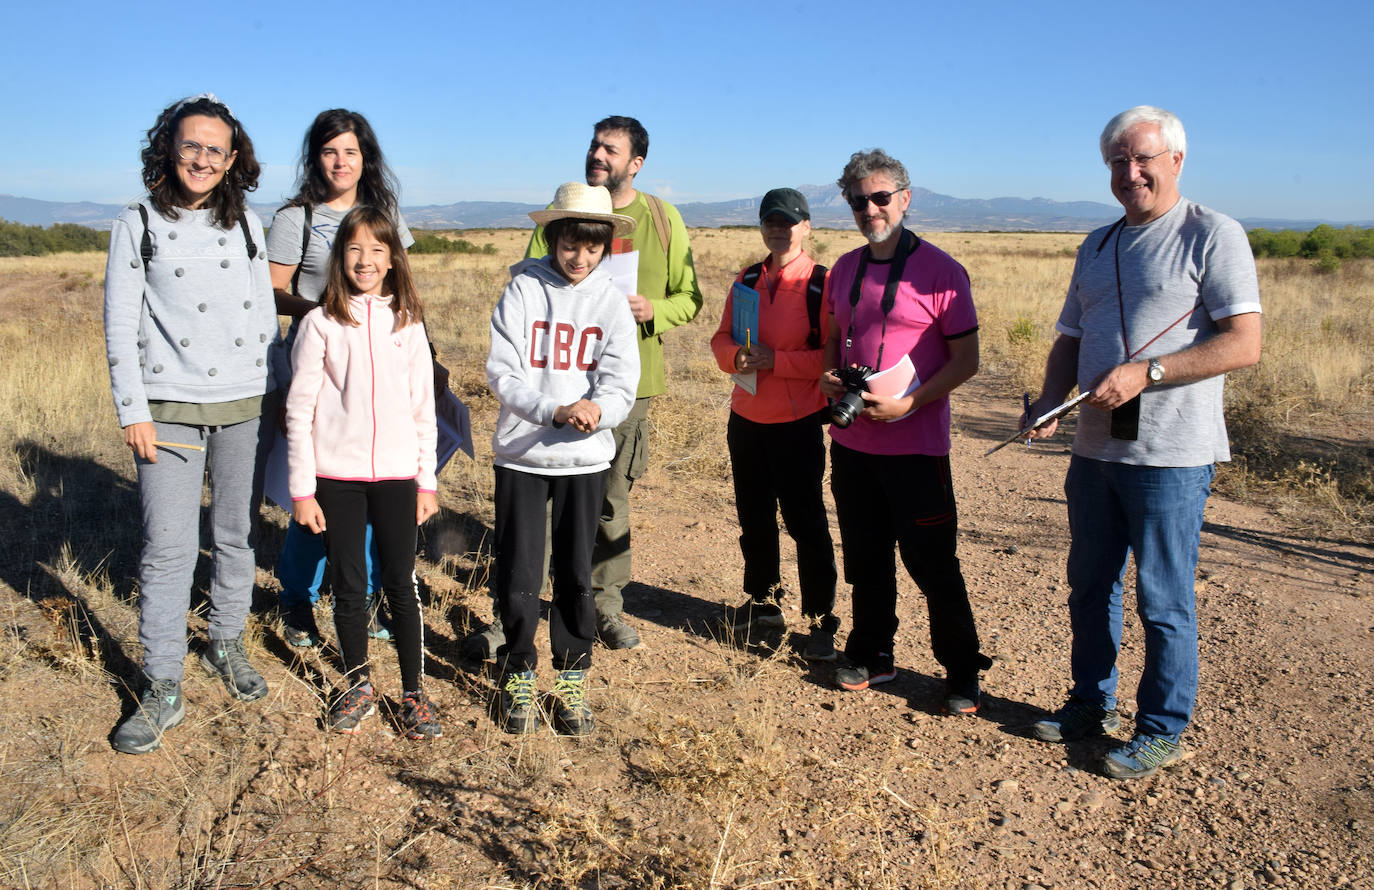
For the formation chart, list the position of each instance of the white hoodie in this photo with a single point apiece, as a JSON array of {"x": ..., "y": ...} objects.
[{"x": 553, "y": 343}]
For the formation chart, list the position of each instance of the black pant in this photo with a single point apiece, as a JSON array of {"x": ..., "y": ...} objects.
[
  {"x": 780, "y": 466},
  {"x": 573, "y": 505},
  {"x": 903, "y": 502},
  {"x": 390, "y": 505}
]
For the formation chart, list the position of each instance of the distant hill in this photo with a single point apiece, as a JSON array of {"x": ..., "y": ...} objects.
[{"x": 930, "y": 211}]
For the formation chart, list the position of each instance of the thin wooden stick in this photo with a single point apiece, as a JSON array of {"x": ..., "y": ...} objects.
[{"x": 179, "y": 445}]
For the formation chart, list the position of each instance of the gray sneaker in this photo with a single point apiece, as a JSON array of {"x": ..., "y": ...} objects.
[
  {"x": 614, "y": 633},
  {"x": 160, "y": 708},
  {"x": 228, "y": 660},
  {"x": 481, "y": 645},
  {"x": 1076, "y": 720}
]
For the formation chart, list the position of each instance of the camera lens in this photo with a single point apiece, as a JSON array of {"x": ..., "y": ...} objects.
[{"x": 843, "y": 412}]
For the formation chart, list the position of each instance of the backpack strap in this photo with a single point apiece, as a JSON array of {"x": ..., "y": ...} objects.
[
  {"x": 815, "y": 290},
  {"x": 248, "y": 238},
  {"x": 145, "y": 245},
  {"x": 660, "y": 217},
  {"x": 305, "y": 245},
  {"x": 752, "y": 275}
]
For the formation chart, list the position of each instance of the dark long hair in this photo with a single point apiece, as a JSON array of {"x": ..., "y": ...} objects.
[
  {"x": 227, "y": 201},
  {"x": 406, "y": 300},
  {"x": 377, "y": 186}
]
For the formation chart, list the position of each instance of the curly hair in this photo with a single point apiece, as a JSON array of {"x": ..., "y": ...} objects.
[
  {"x": 377, "y": 185},
  {"x": 399, "y": 282},
  {"x": 227, "y": 202},
  {"x": 863, "y": 164}
]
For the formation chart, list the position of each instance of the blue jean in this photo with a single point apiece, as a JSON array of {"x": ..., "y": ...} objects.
[
  {"x": 300, "y": 568},
  {"x": 1155, "y": 513}
]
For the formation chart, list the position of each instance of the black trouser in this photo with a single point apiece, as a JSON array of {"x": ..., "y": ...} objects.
[
  {"x": 902, "y": 502},
  {"x": 780, "y": 466},
  {"x": 390, "y": 505},
  {"x": 572, "y": 504}
]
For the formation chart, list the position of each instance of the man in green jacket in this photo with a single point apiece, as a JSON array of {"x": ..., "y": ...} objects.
[{"x": 667, "y": 296}]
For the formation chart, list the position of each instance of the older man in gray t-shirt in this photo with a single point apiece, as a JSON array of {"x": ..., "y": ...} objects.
[{"x": 1161, "y": 305}]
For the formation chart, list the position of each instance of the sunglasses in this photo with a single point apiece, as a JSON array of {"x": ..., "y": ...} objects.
[{"x": 859, "y": 202}]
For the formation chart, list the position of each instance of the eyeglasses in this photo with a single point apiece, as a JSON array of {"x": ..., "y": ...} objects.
[
  {"x": 214, "y": 155},
  {"x": 1121, "y": 162},
  {"x": 858, "y": 202}
]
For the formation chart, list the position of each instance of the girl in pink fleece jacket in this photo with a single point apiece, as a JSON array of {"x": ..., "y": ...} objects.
[{"x": 360, "y": 435}]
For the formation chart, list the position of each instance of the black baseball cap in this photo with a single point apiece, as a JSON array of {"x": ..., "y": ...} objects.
[{"x": 789, "y": 202}]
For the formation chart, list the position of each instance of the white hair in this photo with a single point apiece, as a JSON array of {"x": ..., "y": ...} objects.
[{"x": 1170, "y": 128}]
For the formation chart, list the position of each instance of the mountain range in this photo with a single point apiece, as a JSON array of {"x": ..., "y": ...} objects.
[{"x": 930, "y": 211}]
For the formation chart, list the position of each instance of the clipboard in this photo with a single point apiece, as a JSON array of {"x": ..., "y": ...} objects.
[{"x": 1052, "y": 414}]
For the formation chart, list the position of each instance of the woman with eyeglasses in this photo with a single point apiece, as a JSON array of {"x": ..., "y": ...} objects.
[
  {"x": 341, "y": 166},
  {"x": 188, "y": 319}
]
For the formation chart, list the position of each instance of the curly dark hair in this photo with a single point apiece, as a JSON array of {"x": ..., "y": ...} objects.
[
  {"x": 227, "y": 202},
  {"x": 377, "y": 187}
]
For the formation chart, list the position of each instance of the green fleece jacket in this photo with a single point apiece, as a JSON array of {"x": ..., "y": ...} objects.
[{"x": 669, "y": 281}]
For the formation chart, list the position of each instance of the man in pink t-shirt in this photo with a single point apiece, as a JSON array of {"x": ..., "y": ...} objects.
[{"x": 902, "y": 308}]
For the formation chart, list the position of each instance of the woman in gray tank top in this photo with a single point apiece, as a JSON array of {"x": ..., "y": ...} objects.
[{"x": 341, "y": 167}]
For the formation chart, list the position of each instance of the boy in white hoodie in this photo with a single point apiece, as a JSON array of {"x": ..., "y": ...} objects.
[{"x": 564, "y": 363}]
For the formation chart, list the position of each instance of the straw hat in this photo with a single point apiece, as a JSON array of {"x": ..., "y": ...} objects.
[{"x": 577, "y": 200}]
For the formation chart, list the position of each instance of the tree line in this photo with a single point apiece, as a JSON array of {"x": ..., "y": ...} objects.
[
  {"x": 1326, "y": 244},
  {"x": 17, "y": 239}
]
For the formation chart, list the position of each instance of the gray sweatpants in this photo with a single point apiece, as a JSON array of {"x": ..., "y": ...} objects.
[{"x": 170, "y": 492}]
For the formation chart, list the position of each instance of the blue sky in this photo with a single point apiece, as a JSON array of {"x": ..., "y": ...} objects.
[{"x": 495, "y": 101}]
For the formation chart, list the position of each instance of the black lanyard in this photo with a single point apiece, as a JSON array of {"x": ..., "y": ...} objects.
[
  {"x": 906, "y": 246},
  {"x": 1118, "y": 227}
]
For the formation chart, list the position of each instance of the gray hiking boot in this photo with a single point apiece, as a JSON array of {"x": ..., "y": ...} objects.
[
  {"x": 228, "y": 660},
  {"x": 1078, "y": 719},
  {"x": 481, "y": 645},
  {"x": 614, "y": 633},
  {"x": 160, "y": 708}
]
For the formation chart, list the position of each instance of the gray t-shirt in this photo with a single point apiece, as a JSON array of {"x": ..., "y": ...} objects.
[
  {"x": 1153, "y": 290},
  {"x": 284, "y": 244}
]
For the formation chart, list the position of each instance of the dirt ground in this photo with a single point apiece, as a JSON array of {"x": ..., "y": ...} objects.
[{"x": 730, "y": 763}]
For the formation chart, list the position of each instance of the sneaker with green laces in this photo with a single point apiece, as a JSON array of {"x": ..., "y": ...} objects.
[
  {"x": 568, "y": 710},
  {"x": 228, "y": 660},
  {"x": 1078, "y": 719},
  {"x": 160, "y": 709},
  {"x": 418, "y": 720},
  {"x": 516, "y": 709},
  {"x": 1142, "y": 756}
]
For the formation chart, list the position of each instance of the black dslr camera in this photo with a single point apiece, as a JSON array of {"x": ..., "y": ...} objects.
[{"x": 855, "y": 380}]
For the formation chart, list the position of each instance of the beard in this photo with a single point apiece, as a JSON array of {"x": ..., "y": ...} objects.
[
  {"x": 613, "y": 182},
  {"x": 879, "y": 235}
]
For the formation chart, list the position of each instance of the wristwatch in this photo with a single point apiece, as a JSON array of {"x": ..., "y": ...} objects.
[{"x": 1155, "y": 372}]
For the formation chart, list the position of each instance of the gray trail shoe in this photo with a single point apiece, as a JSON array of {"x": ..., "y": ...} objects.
[
  {"x": 228, "y": 660},
  {"x": 160, "y": 708},
  {"x": 1078, "y": 719},
  {"x": 481, "y": 645},
  {"x": 614, "y": 633}
]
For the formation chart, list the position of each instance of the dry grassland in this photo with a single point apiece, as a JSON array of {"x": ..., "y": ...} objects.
[{"x": 254, "y": 795}]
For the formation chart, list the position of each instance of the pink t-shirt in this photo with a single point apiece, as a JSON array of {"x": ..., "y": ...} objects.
[{"x": 933, "y": 304}]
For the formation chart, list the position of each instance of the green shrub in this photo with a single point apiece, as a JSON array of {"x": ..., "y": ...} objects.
[
  {"x": 428, "y": 242},
  {"x": 17, "y": 239}
]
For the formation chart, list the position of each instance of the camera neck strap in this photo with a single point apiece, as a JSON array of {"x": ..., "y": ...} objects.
[
  {"x": 1117, "y": 227},
  {"x": 906, "y": 246}
]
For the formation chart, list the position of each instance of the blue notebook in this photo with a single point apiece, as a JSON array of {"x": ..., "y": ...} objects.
[{"x": 744, "y": 319}]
